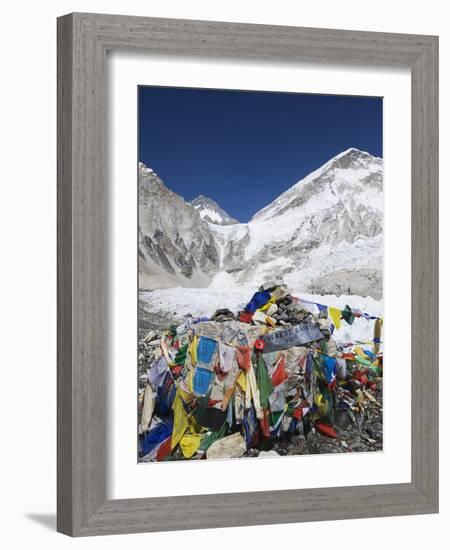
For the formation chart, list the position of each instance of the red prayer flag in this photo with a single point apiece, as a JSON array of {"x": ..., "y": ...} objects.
[
  {"x": 265, "y": 425},
  {"x": 164, "y": 449},
  {"x": 279, "y": 374},
  {"x": 325, "y": 429},
  {"x": 243, "y": 357},
  {"x": 245, "y": 317}
]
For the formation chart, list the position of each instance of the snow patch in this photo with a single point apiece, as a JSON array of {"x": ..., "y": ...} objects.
[{"x": 222, "y": 280}]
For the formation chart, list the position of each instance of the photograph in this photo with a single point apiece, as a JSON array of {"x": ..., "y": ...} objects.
[
  {"x": 260, "y": 274},
  {"x": 233, "y": 276}
]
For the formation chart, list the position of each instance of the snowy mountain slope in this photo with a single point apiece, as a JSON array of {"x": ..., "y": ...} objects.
[
  {"x": 231, "y": 242},
  {"x": 323, "y": 235},
  {"x": 176, "y": 247},
  {"x": 325, "y": 231},
  {"x": 211, "y": 212}
]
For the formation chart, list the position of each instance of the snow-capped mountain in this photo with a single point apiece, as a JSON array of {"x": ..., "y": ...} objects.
[
  {"x": 211, "y": 212},
  {"x": 324, "y": 234},
  {"x": 176, "y": 247}
]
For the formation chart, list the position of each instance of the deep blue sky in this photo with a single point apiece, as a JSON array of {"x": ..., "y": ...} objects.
[{"x": 243, "y": 149}]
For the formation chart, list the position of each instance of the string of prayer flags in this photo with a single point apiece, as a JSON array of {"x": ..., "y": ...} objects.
[{"x": 348, "y": 314}]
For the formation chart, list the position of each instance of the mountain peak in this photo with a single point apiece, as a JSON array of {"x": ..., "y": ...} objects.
[
  {"x": 345, "y": 170},
  {"x": 355, "y": 159},
  {"x": 350, "y": 151},
  {"x": 211, "y": 212},
  {"x": 144, "y": 169}
]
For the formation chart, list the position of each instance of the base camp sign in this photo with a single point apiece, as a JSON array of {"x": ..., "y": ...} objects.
[{"x": 296, "y": 336}]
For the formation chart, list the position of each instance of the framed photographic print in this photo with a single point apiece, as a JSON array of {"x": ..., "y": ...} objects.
[{"x": 247, "y": 270}]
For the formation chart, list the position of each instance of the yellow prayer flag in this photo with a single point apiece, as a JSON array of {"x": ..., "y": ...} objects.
[
  {"x": 268, "y": 304},
  {"x": 190, "y": 380},
  {"x": 242, "y": 381},
  {"x": 335, "y": 315},
  {"x": 189, "y": 444},
  {"x": 180, "y": 420},
  {"x": 377, "y": 335},
  {"x": 193, "y": 350},
  {"x": 321, "y": 405}
]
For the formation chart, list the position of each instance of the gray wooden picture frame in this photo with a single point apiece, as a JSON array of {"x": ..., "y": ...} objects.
[{"x": 83, "y": 41}]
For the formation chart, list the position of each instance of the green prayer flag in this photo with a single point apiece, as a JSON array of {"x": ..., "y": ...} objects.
[
  {"x": 210, "y": 438},
  {"x": 348, "y": 315},
  {"x": 264, "y": 382},
  {"x": 180, "y": 357}
]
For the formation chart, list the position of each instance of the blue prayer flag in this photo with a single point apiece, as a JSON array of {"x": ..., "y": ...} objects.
[
  {"x": 205, "y": 350},
  {"x": 329, "y": 368},
  {"x": 202, "y": 381}
]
